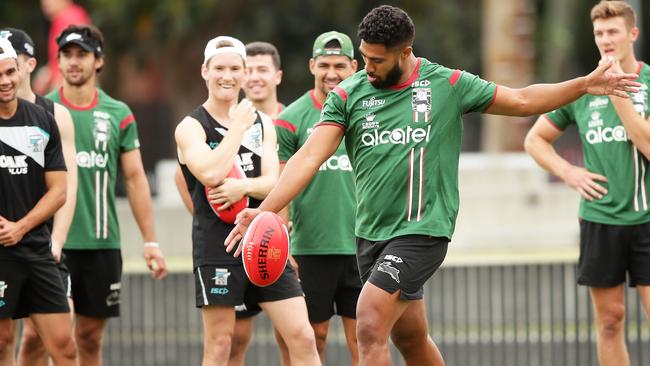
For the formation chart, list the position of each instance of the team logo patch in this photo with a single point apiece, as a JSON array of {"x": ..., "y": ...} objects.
[
  {"x": 36, "y": 142},
  {"x": 221, "y": 277},
  {"x": 3, "y": 287},
  {"x": 102, "y": 131},
  {"x": 387, "y": 267},
  {"x": 113, "y": 297},
  {"x": 421, "y": 104}
]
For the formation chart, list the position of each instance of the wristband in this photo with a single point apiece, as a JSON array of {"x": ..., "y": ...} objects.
[{"x": 151, "y": 244}]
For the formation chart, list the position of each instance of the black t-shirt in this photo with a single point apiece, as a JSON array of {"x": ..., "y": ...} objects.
[
  {"x": 47, "y": 104},
  {"x": 208, "y": 231},
  {"x": 30, "y": 146}
]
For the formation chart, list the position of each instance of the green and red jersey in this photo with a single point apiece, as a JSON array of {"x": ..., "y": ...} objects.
[
  {"x": 323, "y": 214},
  {"x": 404, "y": 144},
  {"x": 103, "y": 131},
  {"x": 608, "y": 151}
]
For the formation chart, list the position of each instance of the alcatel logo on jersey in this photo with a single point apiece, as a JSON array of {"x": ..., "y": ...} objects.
[
  {"x": 398, "y": 136},
  {"x": 337, "y": 163},
  {"x": 91, "y": 159},
  {"x": 372, "y": 103},
  {"x": 607, "y": 134},
  {"x": 15, "y": 164}
]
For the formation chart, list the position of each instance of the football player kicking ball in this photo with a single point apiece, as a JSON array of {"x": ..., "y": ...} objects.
[
  {"x": 210, "y": 140},
  {"x": 614, "y": 213},
  {"x": 402, "y": 121},
  {"x": 316, "y": 247}
]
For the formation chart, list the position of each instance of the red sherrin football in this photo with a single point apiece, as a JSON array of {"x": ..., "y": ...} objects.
[
  {"x": 265, "y": 249},
  {"x": 228, "y": 215}
]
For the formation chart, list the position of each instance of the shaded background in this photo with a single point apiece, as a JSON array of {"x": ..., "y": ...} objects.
[{"x": 154, "y": 49}]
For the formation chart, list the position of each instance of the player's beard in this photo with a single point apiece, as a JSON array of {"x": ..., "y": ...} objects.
[
  {"x": 392, "y": 77},
  {"x": 7, "y": 97},
  {"x": 81, "y": 80}
]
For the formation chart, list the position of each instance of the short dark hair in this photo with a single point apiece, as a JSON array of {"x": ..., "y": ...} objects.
[
  {"x": 387, "y": 25},
  {"x": 264, "y": 48}
]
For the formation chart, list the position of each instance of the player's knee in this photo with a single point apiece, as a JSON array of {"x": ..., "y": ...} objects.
[
  {"x": 63, "y": 347},
  {"x": 409, "y": 341},
  {"x": 31, "y": 343},
  {"x": 217, "y": 347},
  {"x": 239, "y": 342},
  {"x": 89, "y": 338},
  {"x": 612, "y": 321},
  {"x": 369, "y": 332},
  {"x": 7, "y": 343},
  {"x": 301, "y": 339}
]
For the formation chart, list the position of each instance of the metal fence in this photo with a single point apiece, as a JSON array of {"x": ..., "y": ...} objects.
[{"x": 524, "y": 314}]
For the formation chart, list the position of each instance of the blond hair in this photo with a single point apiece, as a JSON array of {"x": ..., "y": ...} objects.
[{"x": 610, "y": 9}]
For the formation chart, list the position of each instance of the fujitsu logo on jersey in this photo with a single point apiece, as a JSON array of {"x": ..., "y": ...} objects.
[
  {"x": 398, "y": 136},
  {"x": 16, "y": 164},
  {"x": 91, "y": 159},
  {"x": 372, "y": 102}
]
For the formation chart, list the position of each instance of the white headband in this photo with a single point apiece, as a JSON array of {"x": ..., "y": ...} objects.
[
  {"x": 6, "y": 49},
  {"x": 211, "y": 48}
]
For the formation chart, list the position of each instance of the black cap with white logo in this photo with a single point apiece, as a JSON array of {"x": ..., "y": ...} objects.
[
  {"x": 20, "y": 41},
  {"x": 82, "y": 37}
]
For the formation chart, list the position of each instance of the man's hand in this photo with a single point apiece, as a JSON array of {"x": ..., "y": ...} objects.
[
  {"x": 244, "y": 219},
  {"x": 228, "y": 192},
  {"x": 584, "y": 182},
  {"x": 608, "y": 79},
  {"x": 243, "y": 114},
  {"x": 155, "y": 260},
  {"x": 10, "y": 232}
]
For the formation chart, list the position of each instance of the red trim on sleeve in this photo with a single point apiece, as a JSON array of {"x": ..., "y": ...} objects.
[
  {"x": 341, "y": 92},
  {"x": 285, "y": 124},
  {"x": 67, "y": 103},
  {"x": 552, "y": 123},
  {"x": 318, "y": 105},
  {"x": 330, "y": 124},
  {"x": 412, "y": 78},
  {"x": 454, "y": 77},
  {"x": 494, "y": 97},
  {"x": 127, "y": 121}
]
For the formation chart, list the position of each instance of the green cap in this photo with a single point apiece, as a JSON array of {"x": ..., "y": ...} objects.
[{"x": 344, "y": 41}]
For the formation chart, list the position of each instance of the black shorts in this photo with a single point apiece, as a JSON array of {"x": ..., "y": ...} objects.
[
  {"x": 96, "y": 277},
  {"x": 610, "y": 252},
  {"x": 31, "y": 287},
  {"x": 403, "y": 263},
  {"x": 228, "y": 285},
  {"x": 331, "y": 284}
]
